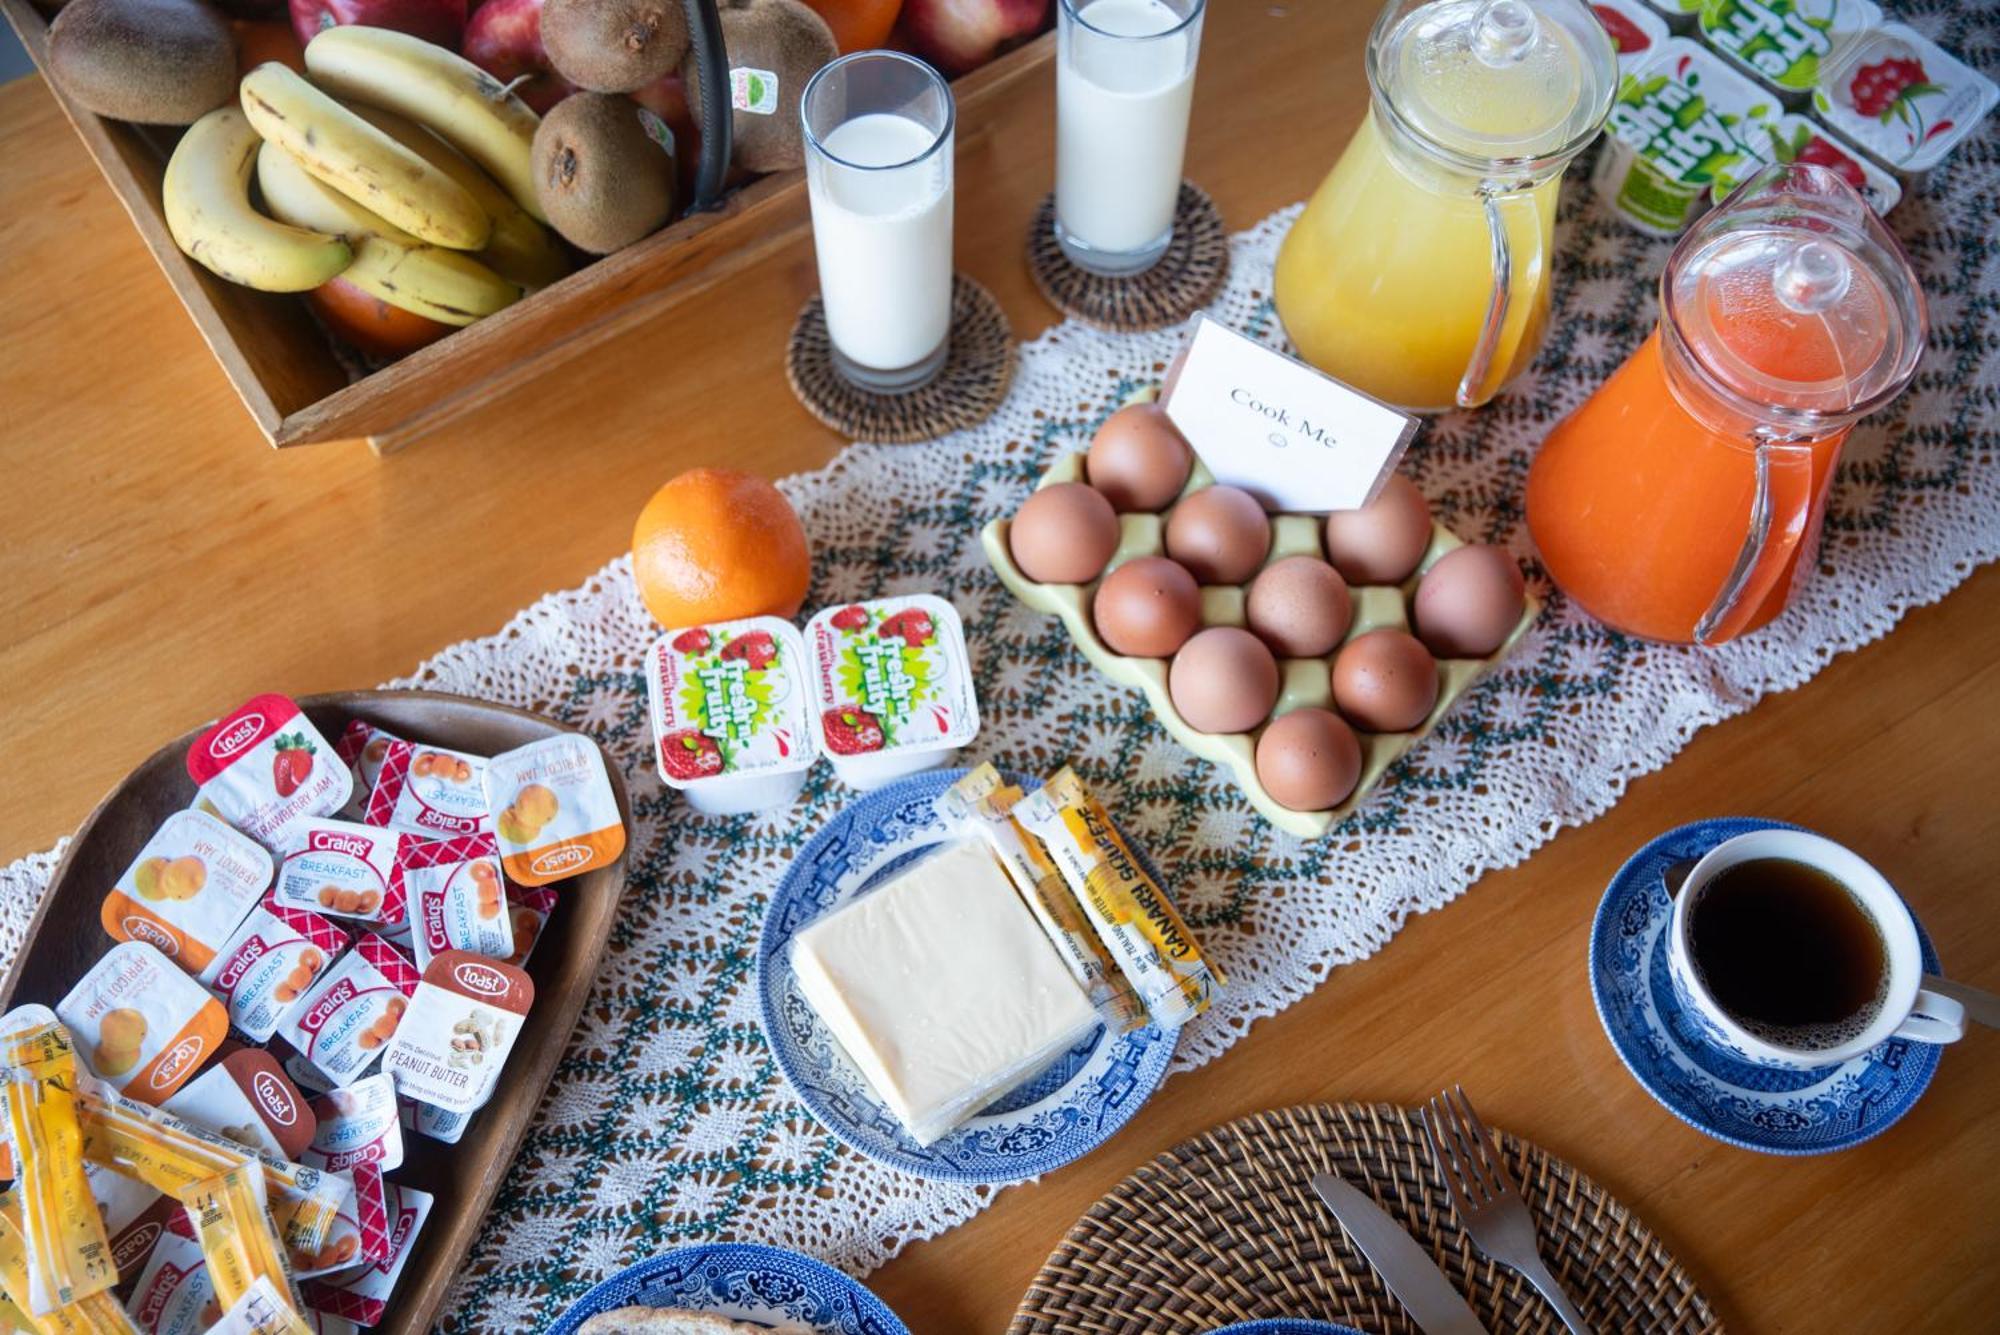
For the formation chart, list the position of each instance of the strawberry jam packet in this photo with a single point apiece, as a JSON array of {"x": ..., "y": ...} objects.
[
  {"x": 342, "y": 1024},
  {"x": 248, "y": 1098},
  {"x": 363, "y": 747},
  {"x": 187, "y": 890},
  {"x": 344, "y": 869},
  {"x": 892, "y": 687},
  {"x": 1902, "y": 98},
  {"x": 462, "y": 1023},
  {"x": 271, "y": 964},
  {"x": 357, "y": 1125},
  {"x": 457, "y": 897},
  {"x": 265, "y": 768},
  {"x": 553, "y": 809},
  {"x": 141, "y": 1025},
  {"x": 732, "y": 728},
  {"x": 430, "y": 790}
]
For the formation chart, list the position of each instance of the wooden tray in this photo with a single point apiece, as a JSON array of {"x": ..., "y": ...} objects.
[
  {"x": 283, "y": 365},
  {"x": 65, "y": 939}
]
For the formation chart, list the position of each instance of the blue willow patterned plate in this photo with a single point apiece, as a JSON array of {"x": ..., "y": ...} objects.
[
  {"x": 1284, "y": 1325},
  {"x": 1072, "y": 1107},
  {"x": 744, "y": 1282},
  {"x": 1761, "y": 1108}
]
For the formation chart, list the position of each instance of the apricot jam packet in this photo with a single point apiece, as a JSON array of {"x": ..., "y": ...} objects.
[
  {"x": 264, "y": 768},
  {"x": 188, "y": 888},
  {"x": 342, "y": 868},
  {"x": 143, "y": 1026},
  {"x": 430, "y": 790},
  {"x": 342, "y": 1024},
  {"x": 457, "y": 897},
  {"x": 274, "y": 959},
  {"x": 555, "y": 814},
  {"x": 462, "y": 1023},
  {"x": 68, "y": 1254}
]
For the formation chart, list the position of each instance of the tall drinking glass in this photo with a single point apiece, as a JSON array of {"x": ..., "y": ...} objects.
[
  {"x": 1124, "y": 81},
  {"x": 879, "y": 173}
]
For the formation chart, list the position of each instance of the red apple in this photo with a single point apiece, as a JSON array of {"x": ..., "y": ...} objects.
[
  {"x": 961, "y": 35},
  {"x": 438, "y": 21},
  {"x": 504, "y": 38}
]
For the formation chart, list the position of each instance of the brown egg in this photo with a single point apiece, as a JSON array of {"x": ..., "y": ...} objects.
[
  {"x": 1381, "y": 542},
  {"x": 1065, "y": 534},
  {"x": 1138, "y": 459},
  {"x": 1299, "y": 606},
  {"x": 1220, "y": 534},
  {"x": 1147, "y": 607},
  {"x": 1469, "y": 602},
  {"x": 1309, "y": 760},
  {"x": 1223, "y": 680},
  {"x": 1385, "y": 681}
]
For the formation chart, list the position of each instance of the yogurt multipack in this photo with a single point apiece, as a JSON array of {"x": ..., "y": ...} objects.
[
  {"x": 1783, "y": 44},
  {"x": 1679, "y": 120},
  {"x": 892, "y": 687},
  {"x": 1905, "y": 100},
  {"x": 731, "y": 713}
]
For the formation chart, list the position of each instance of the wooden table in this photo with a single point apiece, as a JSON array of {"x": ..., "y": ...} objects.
[{"x": 161, "y": 564}]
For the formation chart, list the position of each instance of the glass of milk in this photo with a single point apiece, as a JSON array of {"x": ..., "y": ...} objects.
[
  {"x": 879, "y": 173},
  {"x": 1124, "y": 79}
]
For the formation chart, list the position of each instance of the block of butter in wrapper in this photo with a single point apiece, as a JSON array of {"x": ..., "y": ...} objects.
[
  {"x": 941, "y": 988},
  {"x": 1129, "y": 908}
]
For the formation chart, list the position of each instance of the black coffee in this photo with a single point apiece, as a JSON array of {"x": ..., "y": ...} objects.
[{"x": 1789, "y": 952}]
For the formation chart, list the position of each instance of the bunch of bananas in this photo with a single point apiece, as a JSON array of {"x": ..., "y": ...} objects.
[{"x": 398, "y": 166}]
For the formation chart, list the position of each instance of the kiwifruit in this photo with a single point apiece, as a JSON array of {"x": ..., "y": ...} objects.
[
  {"x": 614, "y": 46},
  {"x": 600, "y": 174},
  {"x": 787, "y": 40},
  {"x": 157, "y": 62}
]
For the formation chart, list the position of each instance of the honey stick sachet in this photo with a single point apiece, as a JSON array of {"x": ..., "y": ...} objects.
[{"x": 67, "y": 1255}]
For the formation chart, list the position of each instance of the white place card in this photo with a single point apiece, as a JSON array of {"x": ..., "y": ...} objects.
[{"x": 1290, "y": 436}]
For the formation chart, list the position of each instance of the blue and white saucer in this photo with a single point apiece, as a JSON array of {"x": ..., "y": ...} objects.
[
  {"x": 1284, "y": 1325},
  {"x": 744, "y": 1282},
  {"x": 1756, "y": 1107},
  {"x": 1060, "y": 1115}
]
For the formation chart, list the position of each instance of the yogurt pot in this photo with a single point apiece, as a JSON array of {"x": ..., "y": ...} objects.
[
  {"x": 1901, "y": 98},
  {"x": 1636, "y": 29},
  {"x": 892, "y": 687},
  {"x": 1795, "y": 138},
  {"x": 1679, "y": 119},
  {"x": 1783, "y": 43},
  {"x": 731, "y": 710}
]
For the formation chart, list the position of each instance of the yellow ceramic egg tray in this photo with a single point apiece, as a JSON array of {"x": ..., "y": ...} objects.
[{"x": 1302, "y": 682}]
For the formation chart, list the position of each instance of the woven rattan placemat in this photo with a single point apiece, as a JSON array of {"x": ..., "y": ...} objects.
[
  {"x": 1225, "y": 1228},
  {"x": 975, "y": 376},
  {"x": 1186, "y": 278}
]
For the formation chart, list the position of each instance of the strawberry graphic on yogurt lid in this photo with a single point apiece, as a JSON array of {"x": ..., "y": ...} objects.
[
  {"x": 851, "y": 731},
  {"x": 693, "y": 641},
  {"x": 756, "y": 648},
  {"x": 688, "y": 754},
  {"x": 850, "y": 618}
]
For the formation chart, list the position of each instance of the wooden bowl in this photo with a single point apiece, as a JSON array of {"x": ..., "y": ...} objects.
[{"x": 66, "y": 938}]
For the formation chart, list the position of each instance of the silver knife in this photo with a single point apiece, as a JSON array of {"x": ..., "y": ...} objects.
[{"x": 1404, "y": 1266}]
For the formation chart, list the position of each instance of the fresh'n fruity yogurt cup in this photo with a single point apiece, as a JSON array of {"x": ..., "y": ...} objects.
[
  {"x": 892, "y": 687},
  {"x": 553, "y": 809},
  {"x": 1679, "y": 15},
  {"x": 1635, "y": 30},
  {"x": 1794, "y": 138},
  {"x": 265, "y": 769},
  {"x": 1902, "y": 98},
  {"x": 730, "y": 708},
  {"x": 1679, "y": 119},
  {"x": 1783, "y": 43},
  {"x": 187, "y": 890}
]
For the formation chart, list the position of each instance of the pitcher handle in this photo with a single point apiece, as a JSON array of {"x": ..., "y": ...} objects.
[
  {"x": 1779, "y": 513},
  {"x": 1473, "y": 388}
]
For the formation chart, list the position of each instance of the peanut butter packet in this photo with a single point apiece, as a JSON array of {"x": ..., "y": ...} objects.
[
  {"x": 264, "y": 768},
  {"x": 554, "y": 811},
  {"x": 68, "y": 1255},
  {"x": 142, "y": 1026},
  {"x": 190, "y": 885},
  {"x": 248, "y": 1098},
  {"x": 1130, "y": 910},
  {"x": 461, "y": 1025}
]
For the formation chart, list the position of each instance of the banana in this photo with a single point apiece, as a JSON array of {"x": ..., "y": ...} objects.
[
  {"x": 207, "y": 198},
  {"x": 360, "y": 161},
  {"x": 473, "y": 111},
  {"x": 389, "y": 263},
  {"x": 519, "y": 248}
]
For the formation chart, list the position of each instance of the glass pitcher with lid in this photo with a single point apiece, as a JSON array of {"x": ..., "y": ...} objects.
[
  {"x": 1419, "y": 272},
  {"x": 1677, "y": 501}
]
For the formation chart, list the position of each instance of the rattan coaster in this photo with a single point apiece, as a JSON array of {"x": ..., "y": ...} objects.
[
  {"x": 1187, "y": 277},
  {"x": 977, "y": 371},
  {"x": 1225, "y": 1228}
]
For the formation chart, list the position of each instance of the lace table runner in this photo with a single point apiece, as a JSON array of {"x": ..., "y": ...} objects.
[{"x": 668, "y": 1122}]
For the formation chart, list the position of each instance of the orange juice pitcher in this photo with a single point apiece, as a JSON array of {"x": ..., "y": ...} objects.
[
  {"x": 1677, "y": 501},
  {"x": 1419, "y": 271}
]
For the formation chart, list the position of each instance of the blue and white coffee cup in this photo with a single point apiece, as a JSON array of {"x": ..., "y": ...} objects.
[{"x": 1908, "y": 1010}]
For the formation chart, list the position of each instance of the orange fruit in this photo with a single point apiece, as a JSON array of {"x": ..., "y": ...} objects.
[
  {"x": 715, "y": 545},
  {"x": 858, "y": 25},
  {"x": 369, "y": 324}
]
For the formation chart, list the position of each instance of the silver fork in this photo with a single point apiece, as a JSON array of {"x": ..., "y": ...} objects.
[{"x": 1488, "y": 1204}]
